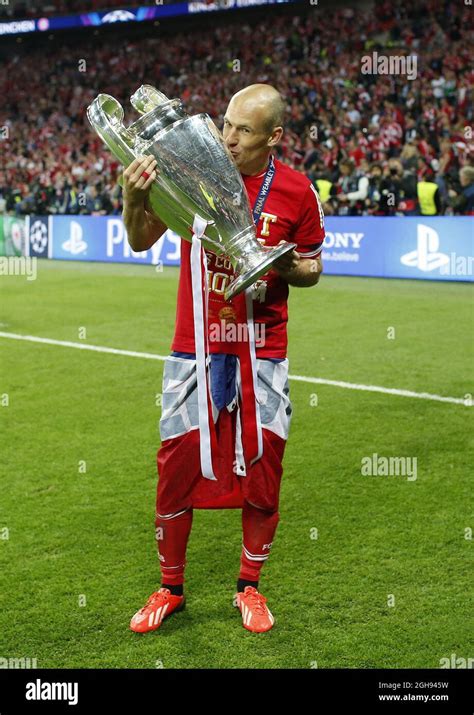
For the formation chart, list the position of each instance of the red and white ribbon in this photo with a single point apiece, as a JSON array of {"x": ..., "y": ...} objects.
[{"x": 250, "y": 422}]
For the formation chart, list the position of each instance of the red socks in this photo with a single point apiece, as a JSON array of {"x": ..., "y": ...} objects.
[
  {"x": 258, "y": 528},
  {"x": 172, "y": 534}
]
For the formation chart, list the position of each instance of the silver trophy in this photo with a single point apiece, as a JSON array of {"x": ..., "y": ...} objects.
[{"x": 196, "y": 177}]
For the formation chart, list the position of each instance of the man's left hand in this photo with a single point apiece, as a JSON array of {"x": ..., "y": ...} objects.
[
  {"x": 287, "y": 263},
  {"x": 298, "y": 271}
]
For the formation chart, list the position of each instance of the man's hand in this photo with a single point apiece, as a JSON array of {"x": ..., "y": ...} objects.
[
  {"x": 136, "y": 186},
  {"x": 298, "y": 271},
  {"x": 143, "y": 227},
  {"x": 287, "y": 263}
]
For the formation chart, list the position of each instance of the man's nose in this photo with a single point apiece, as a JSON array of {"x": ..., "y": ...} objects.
[{"x": 231, "y": 138}]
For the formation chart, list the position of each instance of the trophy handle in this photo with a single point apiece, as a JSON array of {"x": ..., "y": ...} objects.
[
  {"x": 166, "y": 198},
  {"x": 147, "y": 98},
  {"x": 105, "y": 114}
]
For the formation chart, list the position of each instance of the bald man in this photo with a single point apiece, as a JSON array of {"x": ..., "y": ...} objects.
[{"x": 286, "y": 207}]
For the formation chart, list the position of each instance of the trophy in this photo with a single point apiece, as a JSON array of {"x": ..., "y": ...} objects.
[{"x": 196, "y": 178}]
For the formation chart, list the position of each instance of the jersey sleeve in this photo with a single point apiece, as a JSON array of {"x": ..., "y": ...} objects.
[{"x": 309, "y": 232}]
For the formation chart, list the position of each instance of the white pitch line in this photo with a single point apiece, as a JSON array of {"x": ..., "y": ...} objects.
[
  {"x": 82, "y": 346},
  {"x": 384, "y": 390},
  {"x": 297, "y": 378}
]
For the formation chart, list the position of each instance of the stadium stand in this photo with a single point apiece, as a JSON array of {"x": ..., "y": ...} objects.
[{"x": 373, "y": 144}]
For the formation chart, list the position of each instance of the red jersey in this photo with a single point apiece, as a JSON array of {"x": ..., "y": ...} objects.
[{"x": 292, "y": 212}]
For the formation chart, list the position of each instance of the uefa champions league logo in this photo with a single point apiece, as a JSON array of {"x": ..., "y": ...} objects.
[
  {"x": 118, "y": 16},
  {"x": 38, "y": 236}
]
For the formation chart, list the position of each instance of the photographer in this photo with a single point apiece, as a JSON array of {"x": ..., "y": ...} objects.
[{"x": 354, "y": 189}]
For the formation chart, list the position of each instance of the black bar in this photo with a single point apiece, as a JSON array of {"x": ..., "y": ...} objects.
[{"x": 290, "y": 690}]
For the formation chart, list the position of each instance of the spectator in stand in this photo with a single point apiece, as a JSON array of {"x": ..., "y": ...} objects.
[
  {"x": 375, "y": 191},
  {"x": 354, "y": 187},
  {"x": 58, "y": 200},
  {"x": 463, "y": 201},
  {"x": 74, "y": 199},
  {"x": 98, "y": 203},
  {"x": 325, "y": 187},
  {"x": 429, "y": 194}
]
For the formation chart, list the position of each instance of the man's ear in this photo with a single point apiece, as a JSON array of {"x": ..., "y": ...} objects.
[{"x": 275, "y": 137}]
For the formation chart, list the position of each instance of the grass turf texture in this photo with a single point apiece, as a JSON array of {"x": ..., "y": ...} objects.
[{"x": 75, "y": 534}]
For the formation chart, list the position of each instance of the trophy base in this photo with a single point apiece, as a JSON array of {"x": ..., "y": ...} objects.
[{"x": 246, "y": 279}]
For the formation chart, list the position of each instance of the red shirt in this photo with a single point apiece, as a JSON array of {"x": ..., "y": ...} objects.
[{"x": 291, "y": 212}]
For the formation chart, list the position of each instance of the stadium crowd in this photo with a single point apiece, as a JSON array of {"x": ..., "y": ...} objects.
[{"x": 374, "y": 144}]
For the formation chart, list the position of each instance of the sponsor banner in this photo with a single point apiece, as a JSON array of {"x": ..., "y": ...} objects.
[
  {"x": 213, "y": 5},
  {"x": 87, "y": 19},
  {"x": 38, "y": 237},
  {"x": 12, "y": 235},
  {"x": 153, "y": 11},
  {"x": 436, "y": 248},
  {"x": 104, "y": 238}
]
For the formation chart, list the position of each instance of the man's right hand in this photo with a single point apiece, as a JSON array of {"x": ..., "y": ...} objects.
[
  {"x": 136, "y": 186},
  {"x": 143, "y": 227}
]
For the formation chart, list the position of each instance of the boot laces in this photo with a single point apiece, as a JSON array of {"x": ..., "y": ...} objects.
[
  {"x": 162, "y": 593},
  {"x": 258, "y": 602}
]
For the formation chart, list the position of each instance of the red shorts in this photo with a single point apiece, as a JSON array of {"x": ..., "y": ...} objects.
[{"x": 181, "y": 484}]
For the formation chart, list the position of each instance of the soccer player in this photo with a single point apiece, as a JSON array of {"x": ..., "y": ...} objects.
[{"x": 286, "y": 208}]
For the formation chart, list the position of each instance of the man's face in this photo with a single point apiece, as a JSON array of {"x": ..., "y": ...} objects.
[
  {"x": 393, "y": 166},
  {"x": 245, "y": 134}
]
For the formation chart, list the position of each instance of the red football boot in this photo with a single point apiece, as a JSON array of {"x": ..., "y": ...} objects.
[
  {"x": 255, "y": 614},
  {"x": 159, "y": 606}
]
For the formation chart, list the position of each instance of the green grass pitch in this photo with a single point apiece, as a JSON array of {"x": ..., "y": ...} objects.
[{"x": 386, "y": 583}]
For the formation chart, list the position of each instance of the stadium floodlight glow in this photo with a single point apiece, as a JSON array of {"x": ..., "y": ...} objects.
[{"x": 197, "y": 182}]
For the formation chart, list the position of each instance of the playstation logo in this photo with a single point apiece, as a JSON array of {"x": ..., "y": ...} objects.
[
  {"x": 75, "y": 244},
  {"x": 426, "y": 257}
]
